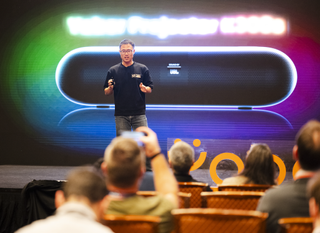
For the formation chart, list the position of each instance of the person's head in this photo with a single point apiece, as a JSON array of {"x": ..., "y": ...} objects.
[
  {"x": 313, "y": 193},
  {"x": 181, "y": 157},
  {"x": 124, "y": 163},
  {"x": 259, "y": 165},
  {"x": 307, "y": 148},
  {"x": 126, "y": 49},
  {"x": 85, "y": 186},
  {"x": 84, "y": 182}
]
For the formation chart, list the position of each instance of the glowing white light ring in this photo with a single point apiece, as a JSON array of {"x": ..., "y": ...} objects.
[{"x": 204, "y": 49}]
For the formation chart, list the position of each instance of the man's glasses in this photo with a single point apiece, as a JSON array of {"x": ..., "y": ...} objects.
[{"x": 125, "y": 51}]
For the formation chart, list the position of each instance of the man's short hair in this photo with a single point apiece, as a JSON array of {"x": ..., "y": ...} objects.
[
  {"x": 308, "y": 142},
  {"x": 126, "y": 41},
  {"x": 181, "y": 157},
  {"x": 124, "y": 159},
  {"x": 84, "y": 182}
]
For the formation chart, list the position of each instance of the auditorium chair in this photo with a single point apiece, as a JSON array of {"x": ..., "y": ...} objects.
[
  {"x": 245, "y": 187},
  {"x": 296, "y": 225},
  {"x": 195, "y": 188},
  {"x": 184, "y": 198},
  {"x": 131, "y": 223},
  {"x": 231, "y": 200},
  {"x": 218, "y": 220}
]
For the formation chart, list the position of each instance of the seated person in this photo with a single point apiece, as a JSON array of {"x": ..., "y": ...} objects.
[
  {"x": 124, "y": 167},
  {"x": 290, "y": 200},
  {"x": 259, "y": 167},
  {"x": 79, "y": 206},
  {"x": 313, "y": 192},
  {"x": 146, "y": 183},
  {"x": 181, "y": 159}
]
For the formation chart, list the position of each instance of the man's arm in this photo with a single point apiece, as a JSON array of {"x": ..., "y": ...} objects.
[
  {"x": 165, "y": 182},
  {"x": 146, "y": 85}
]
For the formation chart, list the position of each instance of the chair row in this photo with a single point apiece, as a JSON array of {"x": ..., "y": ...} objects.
[
  {"x": 249, "y": 200},
  {"x": 227, "y": 211},
  {"x": 223, "y": 200},
  {"x": 206, "y": 220}
]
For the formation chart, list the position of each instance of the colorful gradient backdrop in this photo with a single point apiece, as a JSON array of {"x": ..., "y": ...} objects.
[{"x": 40, "y": 126}]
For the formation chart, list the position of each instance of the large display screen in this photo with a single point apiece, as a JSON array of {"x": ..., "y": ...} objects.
[{"x": 223, "y": 71}]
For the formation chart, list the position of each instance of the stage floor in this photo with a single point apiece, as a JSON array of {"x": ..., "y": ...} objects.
[{"x": 14, "y": 176}]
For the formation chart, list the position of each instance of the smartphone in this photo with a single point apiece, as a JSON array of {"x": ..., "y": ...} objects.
[{"x": 134, "y": 135}]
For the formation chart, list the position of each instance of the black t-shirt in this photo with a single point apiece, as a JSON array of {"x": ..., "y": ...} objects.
[{"x": 129, "y": 100}]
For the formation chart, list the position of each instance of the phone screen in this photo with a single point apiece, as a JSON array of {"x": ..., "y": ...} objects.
[{"x": 134, "y": 135}]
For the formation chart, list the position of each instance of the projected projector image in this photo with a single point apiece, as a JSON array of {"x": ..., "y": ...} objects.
[{"x": 201, "y": 76}]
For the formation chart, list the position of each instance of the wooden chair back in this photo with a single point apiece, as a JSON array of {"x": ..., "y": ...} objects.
[
  {"x": 245, "y": 187},
  {"x": 231, "y": 200},
  {"x": 195, "y": 188},
  {"x": 131, "y": 223},
  {"x": 296, "y": 225},
  {"x": 218, "y": 221},
  {"x": 184, "y": 198}
]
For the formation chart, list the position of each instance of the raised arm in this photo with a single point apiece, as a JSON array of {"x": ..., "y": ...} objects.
[{"x": 165, "y": 182}]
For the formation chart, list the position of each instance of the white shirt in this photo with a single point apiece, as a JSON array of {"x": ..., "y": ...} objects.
[
  {"x": 316, "y": 230},
  {"x": 70, "y": 217}
]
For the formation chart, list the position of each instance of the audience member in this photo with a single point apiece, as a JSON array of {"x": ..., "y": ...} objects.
[
  {"x": 79, "y": 206},
  {"x": 147, "y": 180},
  {"x": 181, "y": 159},
  {"x": 124, "y": 167},
  {"x": 313, "y": 191},
  {"x": 290, "y": 200},
  {"x": 259, "y": 167}
]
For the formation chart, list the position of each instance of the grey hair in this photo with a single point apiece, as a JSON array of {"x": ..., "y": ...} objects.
[{"x": 181, "y": 157}]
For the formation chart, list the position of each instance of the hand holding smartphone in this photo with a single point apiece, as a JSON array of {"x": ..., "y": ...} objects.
[{"x": 133, "y": 135}]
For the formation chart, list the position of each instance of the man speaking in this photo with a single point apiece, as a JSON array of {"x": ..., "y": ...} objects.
[{"x": 128, "y": 81}]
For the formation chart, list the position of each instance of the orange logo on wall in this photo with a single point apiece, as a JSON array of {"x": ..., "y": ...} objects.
[{"x": 237, "y": 160}]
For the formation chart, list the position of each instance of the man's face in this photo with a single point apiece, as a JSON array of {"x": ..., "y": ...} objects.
[{"x": 126, "y": 53}]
